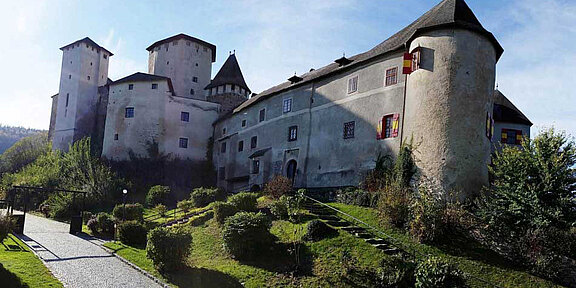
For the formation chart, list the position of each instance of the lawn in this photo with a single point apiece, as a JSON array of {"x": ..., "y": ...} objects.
[
  {"x": 21, "y": 268},
  {"x": 471, "y": 257}
]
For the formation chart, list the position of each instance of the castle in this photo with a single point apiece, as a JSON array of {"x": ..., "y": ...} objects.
[{"x": 431, "y": 84}]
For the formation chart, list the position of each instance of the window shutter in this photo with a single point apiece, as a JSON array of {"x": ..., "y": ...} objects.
[
  {"x": 407, "y": 64},
  {"x": 380, "y": 130},
  {"x": 504, "y": 136},
  {"x": 518, "y": 137},
  {"x": 395, "y": 125}
]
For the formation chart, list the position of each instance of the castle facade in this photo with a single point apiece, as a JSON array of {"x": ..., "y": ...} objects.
[{"x": 430, "y": 85}]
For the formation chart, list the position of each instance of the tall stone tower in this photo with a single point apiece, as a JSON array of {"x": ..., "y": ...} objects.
[
  {"x": 228, "y": 88},
  {"x": 449, "y": 97},
  {"x": 186, "y": 60},
  {"x": 84, "y": 69}
]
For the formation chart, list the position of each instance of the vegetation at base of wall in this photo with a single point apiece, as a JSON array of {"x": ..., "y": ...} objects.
[
  {"x": 129, "y": 212},
  {"x": 161, "y": 210},
  {"x": 185, "y": 205},
  {"x": 355, "y": 196},
  {"x": 157, "y": 195},
  {"x": 132, "y": 233},
  {"x": 246, "y": 234},
  {"x": 204, "y": 196},
  {"x": 244, "y": 201},
  {"x": 168, "y": 248},
  {"x": 19, "y": 267},
  {"x": 278, "y": 186}
]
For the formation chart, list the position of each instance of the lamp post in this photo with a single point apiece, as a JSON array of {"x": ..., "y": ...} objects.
[{"x": 124, "y": 194}]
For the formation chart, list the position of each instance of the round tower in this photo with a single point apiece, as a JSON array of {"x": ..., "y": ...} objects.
[
  {"x": 186, "y": 60},
  {"x": 447, "y": 102}
]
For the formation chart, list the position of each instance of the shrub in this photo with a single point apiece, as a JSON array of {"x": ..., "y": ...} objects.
[
  {"x": 279, "y": 208},
  {"x": 433, "y": 273},
  {"x": 132, "y": 233},
  {"x": 358, "y": 197},
  {"x": 223, "y": 210},
  {"x": 105, "y": 223},
  {"x": 244, "y": 201},
  {"x": 317, "y": 230},
  {"x": 93, "y": 225},
  {"x": 426, "y": 216},
  {"x": 168, "y": 248},
  {"x": 5, "y": 227},
  {"x": 161, "y": 209},
  {"x": 204, "y": 196},
  {"x": 157, "y": 195},
  {"x": 133, "y": 212},
  {"x": 245, "y": 234},
  {"x": 185, "y": 205},
  {"x": 278, "y": 186},
  {"x": 201, "y": 219},
  {"x": 86, "y": 216},
  {"x": 394, "y": 205}
]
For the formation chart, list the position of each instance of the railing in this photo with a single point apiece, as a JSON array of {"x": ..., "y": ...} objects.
[{"x": 393, "y": 241}]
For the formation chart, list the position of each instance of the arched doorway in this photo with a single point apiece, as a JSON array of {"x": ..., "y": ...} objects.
[{"x": 291, "y": 170}]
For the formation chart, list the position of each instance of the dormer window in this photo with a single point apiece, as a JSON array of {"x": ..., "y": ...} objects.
[
  {"x": 295, "y": 79},
  {"x": 343, "y": 61}
]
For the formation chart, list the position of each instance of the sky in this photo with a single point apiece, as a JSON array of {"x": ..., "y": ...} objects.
[{"x": 273, "y": 39}]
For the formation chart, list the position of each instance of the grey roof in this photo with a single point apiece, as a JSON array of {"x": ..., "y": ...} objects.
[
  {"x": 230, "y": 73},
  {"x": 505, "y": 111},
  {"x": 186, "y": 37},
  {"x": 144, "y": 77},
  {"x": 447, "y": 14},
  {"x": 89, "y": 42}
]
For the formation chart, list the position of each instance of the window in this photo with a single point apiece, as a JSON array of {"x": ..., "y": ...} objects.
[
  {"x": 262, "y": 115},
  {"x": 254, "y": 142},
  {"x": 129, "y": 112},
  {"x": 183, "y": 143},
  {"x": 224, "y": 131},
  {"x": 255, "y": 166},
  {"x": 154, "y": 86},
  {"x": 185, "y": 116},
  {"x": 115, "y": 136},
  {"x": 188, "y": 43},
  {"x": 130, "y": 86},
  {"x": 391, "y": 76},
  {"x": 349, "y": 129},
  {"x": 88, "y": 77},
  {"x": 174, "y": 43},
  {"x": 511, "y": 136},
  {"x": 105, "y": 56},
  {"x": 222, "y": 173},
  {"x": 244, "y": 123},
  {"x": 70, "y": 76},
  {"x": 287, "y": 105},
  {"x": 240, "y": 146},
  {"x": 416, "y": 59},
  {"x": 353, "y": 84},
  {"x": 223, "y": 148},
  {"x": 192, "y": 92},
  {"x": 293, "y": 133},
  {"x": 195, "y": 79},
  {"x": 233, "y": 87},
  {"x": 67, "y": 98},
  {"x": 387, "y": 126},
  {"x": 167, "y": 62}
]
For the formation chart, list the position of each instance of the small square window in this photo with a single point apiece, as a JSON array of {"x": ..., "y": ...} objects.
[
  {"x": 287, "y": 105},
  {"x": 224, "y": 131},
  {"x": 293, "y": 133},
  {"x": 192, "y": 92},
  {"x": 187, "y": 43},
  {"x": 130, "y": 86},
  {"x": 233, "y": 87},
  {"x": 349, "y": 129},
  {"x": 392, "y": 76},
  {"x": 255, "y": 166},
  {"x": 88, "y": 77},
  {"x": 353, "y": 84},
  {"x": 262, "y": 115},
  {"x": 154, "y": 86},
  {"x": 253, "y": 142},
  {"x": 70, "y": 76},
  {"x": 185, "y": 116},
  {"x": 244, "y": 123},
  {"x": 183, "y": 143},
  {"x": 195, "y": 79},
  {"x": 105, "y": 56},
  {"x": 129, "y": 112},
  {"x": 223, "y": 148},
  {"x": 115, "y": 136},
  {"x": 240, "y": 146}
]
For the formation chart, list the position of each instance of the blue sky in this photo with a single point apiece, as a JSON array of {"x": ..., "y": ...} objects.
[{"x": 274, "y": 39}]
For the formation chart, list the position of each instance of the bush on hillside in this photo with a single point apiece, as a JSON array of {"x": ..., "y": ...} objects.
[
  {"x": 394, "y": 205},
  {"x": 5, "y": 227},
  {"x": 157, "y": 195},
  {"x": 244, "y": 201},
  {"x": 133, "y": 212},
  {"x": 279, "y": 208},
  {"x": 105, "y": 223},
  {"x": 204, "y": 196},
  {"x": 161, "y": 210},
  {"x": 132, "y": 233},
  {"x": 168, "y": 248},
  {"x": 185, "y": 205},
  {"x": 246, "y": 234},
  {"x": 86, "y": 216},
  {"x": 223, "y": 210},
  {"x": 317, "y": 230},
  {"x": 278, "y": 186},
  {"x": 93, "y": 225},
  {"x": 435, "y": 273}
]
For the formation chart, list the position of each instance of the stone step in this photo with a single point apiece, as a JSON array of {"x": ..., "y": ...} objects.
[
  {"x": 391, "y": 251},
  {"x": 376, "y": 241},
  {"x": 353, "y": 229},
  {"x": 363, "y": 235},
  {"x": 337, "y": 223},
  {"x": 328, "y": 217}
]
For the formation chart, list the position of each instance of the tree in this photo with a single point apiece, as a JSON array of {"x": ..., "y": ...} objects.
[{"x": 24, "y": 152}]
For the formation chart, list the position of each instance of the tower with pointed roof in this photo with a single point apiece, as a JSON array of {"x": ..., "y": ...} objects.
[
  {"x": 84, "y": 70},
  {"x": 228, "y": 88}
]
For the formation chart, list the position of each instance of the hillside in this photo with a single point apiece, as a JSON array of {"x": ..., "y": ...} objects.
[{"x": 10, "y": 135}]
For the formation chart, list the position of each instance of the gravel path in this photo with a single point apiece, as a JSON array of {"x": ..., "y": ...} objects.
[{"x": 75, "y": 261}]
